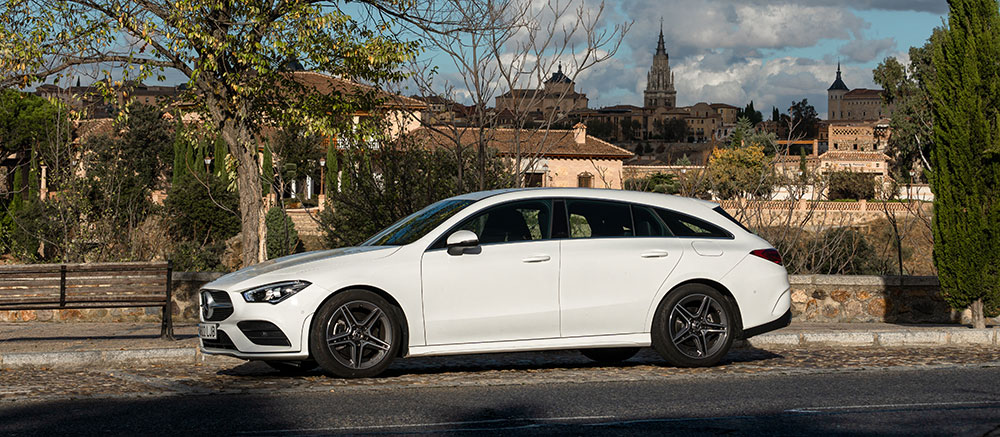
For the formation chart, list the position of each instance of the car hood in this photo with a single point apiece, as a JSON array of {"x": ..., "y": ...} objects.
[{"x": 293, "y": 266}]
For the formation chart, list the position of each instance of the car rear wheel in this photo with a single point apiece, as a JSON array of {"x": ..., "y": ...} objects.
[
  {"x": 610, "y": 355},
  {"x": 355, "y": 334},
  {"x": 693, "y": 326}
]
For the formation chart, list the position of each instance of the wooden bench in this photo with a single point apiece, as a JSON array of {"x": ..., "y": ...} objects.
[{"x": 86, "y": 286}]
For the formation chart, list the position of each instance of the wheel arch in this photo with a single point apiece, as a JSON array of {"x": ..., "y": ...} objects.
[
  {"x": 718, "y": 287},
  {"x": 404, "y": 327}
]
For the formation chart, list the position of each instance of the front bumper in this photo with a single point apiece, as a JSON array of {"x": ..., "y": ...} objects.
[{"x": 260, "y": 330}]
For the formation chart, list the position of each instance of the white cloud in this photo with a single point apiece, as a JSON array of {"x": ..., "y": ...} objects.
[{"x": 865, "y": 50}]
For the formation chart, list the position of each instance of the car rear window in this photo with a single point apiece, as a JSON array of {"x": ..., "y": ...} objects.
[
  {"x": 725, "y": 214},
  {"x": 683, "y": 225}
]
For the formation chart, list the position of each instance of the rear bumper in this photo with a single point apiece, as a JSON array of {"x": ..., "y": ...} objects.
[{"x": 780, "y": 322}]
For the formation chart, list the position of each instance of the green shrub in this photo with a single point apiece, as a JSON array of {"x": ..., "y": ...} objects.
[
  {"x": 657, "y": 183},
  {"x": 851, "y": 186},
  {"x": 282, "y": 238},
  {"x": 192, "y": 256}
]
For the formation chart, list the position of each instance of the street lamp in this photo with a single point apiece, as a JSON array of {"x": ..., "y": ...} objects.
[
  {"x": 208, "y": 162},
  {"x": 322, "y": 179}
]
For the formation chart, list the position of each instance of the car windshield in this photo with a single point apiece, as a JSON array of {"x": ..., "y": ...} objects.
[{"x": 418, "y": 224}]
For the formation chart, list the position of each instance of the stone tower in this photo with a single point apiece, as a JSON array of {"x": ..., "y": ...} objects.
[
  {"x": 835, "y": 98},
  {"x": 660, "y": 90}
]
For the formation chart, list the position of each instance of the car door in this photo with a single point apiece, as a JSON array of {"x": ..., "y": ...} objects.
[
  {"x": 504, "y": 289},
  {"x": 616, "y": 258}
]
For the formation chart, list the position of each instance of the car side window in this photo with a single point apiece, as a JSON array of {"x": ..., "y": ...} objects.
[
  {"x": 648, "y": 224},
  {"x": 511, "y": 222},
  {"x": 683, "y": 225},
  {"x": 595, "y": 219}
]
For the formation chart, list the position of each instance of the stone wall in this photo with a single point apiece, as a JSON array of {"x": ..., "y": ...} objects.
[
  {"x": 893, "y": 299},
  {"x": 185, "y": 306},
  {"x": 815, "y": 298}
]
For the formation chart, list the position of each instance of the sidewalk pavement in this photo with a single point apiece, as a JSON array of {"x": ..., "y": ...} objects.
[{"x": 111, "y": 345}]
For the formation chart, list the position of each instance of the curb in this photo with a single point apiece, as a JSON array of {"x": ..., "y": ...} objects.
[
  {"x": 956, "y": 337},
  {"x": 902, "y": 338},
  {"x": 109, "y": 358}
]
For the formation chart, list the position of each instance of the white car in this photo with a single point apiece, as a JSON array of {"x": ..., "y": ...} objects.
[{"x": 603, "y": 271}]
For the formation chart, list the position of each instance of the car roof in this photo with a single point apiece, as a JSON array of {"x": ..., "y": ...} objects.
[{"x": 594, "y": 193}]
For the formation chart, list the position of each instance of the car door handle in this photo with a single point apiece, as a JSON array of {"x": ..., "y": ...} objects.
[
  {"x": 536, "y": 259},
  {"x": 654, "y": 254}
]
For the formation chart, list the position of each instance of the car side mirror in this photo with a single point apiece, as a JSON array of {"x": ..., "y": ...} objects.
[{"x": 460, "y": 242}]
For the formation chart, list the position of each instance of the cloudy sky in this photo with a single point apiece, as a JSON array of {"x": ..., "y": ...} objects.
[{"x": 771, "y": 52}]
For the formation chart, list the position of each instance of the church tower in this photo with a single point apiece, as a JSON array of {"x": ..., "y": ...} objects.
[
  {"x": 660, "y": 82},
  {"x": 835, "y": 98}
]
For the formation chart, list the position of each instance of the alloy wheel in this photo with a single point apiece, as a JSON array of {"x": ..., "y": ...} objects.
[
  {"x": 359, "y": 335},
  {"x": 698, "y": 326}
]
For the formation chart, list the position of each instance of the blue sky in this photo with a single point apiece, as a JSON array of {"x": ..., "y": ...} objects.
[{"x": 773, "y": 52}]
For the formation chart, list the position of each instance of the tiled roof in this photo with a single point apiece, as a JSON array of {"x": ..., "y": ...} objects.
[
  {"x": 93, "y": 127},
  {"x": 536, "y": 93},
  {"x": 645, "y": 161},
  {"x": 723, "y": 105},
  {"x": 863, "y": 93},
  {"x": 325, "y": 84},
  {"x": 555, "y": 143}
]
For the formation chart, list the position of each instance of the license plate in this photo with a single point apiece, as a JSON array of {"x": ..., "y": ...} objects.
[{"x": 208, "y": 331}]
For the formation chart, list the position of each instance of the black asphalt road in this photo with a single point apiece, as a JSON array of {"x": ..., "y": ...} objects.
[{"x": 942, "y": 401}]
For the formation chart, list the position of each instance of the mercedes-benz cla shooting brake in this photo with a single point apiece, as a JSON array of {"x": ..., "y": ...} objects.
[{"x": 603, "y": 271}]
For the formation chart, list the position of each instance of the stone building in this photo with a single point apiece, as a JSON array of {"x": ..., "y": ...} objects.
[
  {"x": 852, "y": 146},
  {"x": 859, "y": 104},
  {"x": 558, "y": 96},
  {"x": 660, "y": 92},
  {"x": 90, "y": 103},
  {"x": 704, "y": 121},
  {"x": 549, "y": 158}
]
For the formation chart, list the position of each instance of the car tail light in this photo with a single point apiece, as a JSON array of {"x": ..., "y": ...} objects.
[{"x": 768, "y": 254}]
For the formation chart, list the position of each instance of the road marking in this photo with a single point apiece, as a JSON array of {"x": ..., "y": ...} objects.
[
  {"x": 430, "y": 425},
  {"x": 878, "y": 406}
]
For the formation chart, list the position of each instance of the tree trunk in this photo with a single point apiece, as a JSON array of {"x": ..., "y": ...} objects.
[
  {"x": 248, "y": 182},
  {"x": 978, "y": 317}
]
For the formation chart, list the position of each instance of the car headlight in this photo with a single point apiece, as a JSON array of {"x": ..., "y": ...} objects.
[{"x": 274, "y": 293}]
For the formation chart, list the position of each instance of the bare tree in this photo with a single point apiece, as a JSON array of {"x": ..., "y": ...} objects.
[{"x": 509, "y": 45}]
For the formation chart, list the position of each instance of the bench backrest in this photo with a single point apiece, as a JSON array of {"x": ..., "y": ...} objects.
[{"x": 97, "y": 285}]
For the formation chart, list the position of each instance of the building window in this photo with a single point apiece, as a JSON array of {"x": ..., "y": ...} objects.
[
  {"x": 585, "y": 180},
  {"x": 533, "y": 179}
]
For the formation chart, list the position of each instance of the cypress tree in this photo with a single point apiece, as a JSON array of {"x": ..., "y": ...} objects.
[
  {"x": 181, "y": 152},
  {"x": 332, "y": 167},
  {"x": 965, "y": 158},
  {"x": 268, "y": 171}
]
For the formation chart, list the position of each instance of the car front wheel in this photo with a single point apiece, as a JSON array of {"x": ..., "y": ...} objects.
[
  {"x": 693, "y": 326},
  {"x": 355, "y": 334}
]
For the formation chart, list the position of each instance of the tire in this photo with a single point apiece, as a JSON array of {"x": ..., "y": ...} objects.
[
  {"x": 292, "y": 367},
  {"x": 610, "y": 355},
  {"x": 355, "y": 334},
  {"x": 694, "y": 326}
]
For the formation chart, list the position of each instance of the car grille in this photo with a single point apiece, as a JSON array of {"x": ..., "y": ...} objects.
[
  {"x": 215, "y": 305},
  {"x": 263, "y": 333},
  {"x": 222, "y": 341}
]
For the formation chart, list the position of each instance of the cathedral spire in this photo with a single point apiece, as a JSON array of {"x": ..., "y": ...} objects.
[{"x": 660, "y": 49}]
